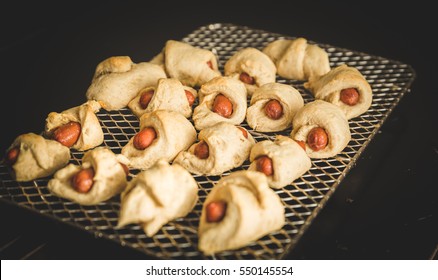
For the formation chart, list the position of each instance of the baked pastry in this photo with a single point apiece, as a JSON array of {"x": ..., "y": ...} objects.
[
  {"x": 282, "y": 160},
  {"x": 101, "y": 176},
  {"x": 78, "y": 127},
  {"x": 163, "y": 134},
  {"x": 222, "y": 147},
  {"x": 31, "y": 156},
  {"x": 322, "y": 127},
  {"x": 252, "y": 67},
  {"x": 191, "y": 65},
  {"x": 273, "y": 106},
  {"x": 345, "y": 87},
  {"x": 240, "y": 209},
  {"x": 223, "y": 99},
  {"x": 168, "y": 94},
  {"x": 117, "y": 80},
  {"x": 158, "y": 195},
  {"x": 296, "y": 59}
]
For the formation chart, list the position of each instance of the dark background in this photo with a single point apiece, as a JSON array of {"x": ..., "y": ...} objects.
[{"x": 386, "y": 208}]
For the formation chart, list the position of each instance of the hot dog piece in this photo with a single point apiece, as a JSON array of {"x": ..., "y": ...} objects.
[
  {"x": 247, "y": 79},
  {"x": 144, "y": 138},
  {"x": 67, "y": 134},
  {"x": 349, "y": 96},
  {"x": 317, "y": 139},
  {"x": 264, "y": 165},
  {"x": 83, "y": 180},
  {"x": 215, "y": 211},
  {"x": 273, "y": 109},
  {"x": 201, "y": 150},
  {"x": 210, "y": 65},
  {"x": 302, "y": 144},
  {"x": 145, "y": 98},
  {"x": 190, "y": 97},
  {"x": 222, "y": 106},
  {"x": 244, "y": 132},
  {"x": 12, "y": 155}
]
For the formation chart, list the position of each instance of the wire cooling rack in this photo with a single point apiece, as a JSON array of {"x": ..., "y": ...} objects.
[{"x": 302, "y": 200}]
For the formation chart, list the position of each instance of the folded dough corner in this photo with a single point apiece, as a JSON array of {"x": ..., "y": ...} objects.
[{"x": 158, "y": 195}]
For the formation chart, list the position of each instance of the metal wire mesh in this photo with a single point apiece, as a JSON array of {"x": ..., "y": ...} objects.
[{"x": 303, "y": 199}]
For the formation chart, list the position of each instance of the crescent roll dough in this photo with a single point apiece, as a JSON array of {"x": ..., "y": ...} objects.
[
  {"x": 328, "y": 88},
  {"x": 91, "y": 132},
  {"x": 169, "y": 94},
  {"x": 254, "y": 63},
  {"x": 191, "y": 65},
  {"x": 158, "y": 195},
  {"x": 327, "y": 116},
  {"x": 289, "y": 160},
  {"x": 252, "y": 211},
  {"x": 295, "y": 59},
  {"x": 109, "y": 177},
  {"x": 228, "y": 148},
  {"x": 37, "y": 157},
  {"x": 289, "y": 98},
  {"x": 117, "y": 80},
  {"x": 174, "y": 133},
  {"x": 234, "y": 90}
]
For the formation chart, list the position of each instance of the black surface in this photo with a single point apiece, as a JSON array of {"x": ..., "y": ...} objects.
[{"x": 387, "y": 206}]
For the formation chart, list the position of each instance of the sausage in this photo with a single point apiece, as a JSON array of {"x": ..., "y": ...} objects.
[
  {"x": 215, "y": 211},
  {"x": 302, "y": 144},
  {"x": 12, "y": 155},
  {"x": 349, "y": 96},
  {"x": 145, "y": 98},
  {"x": 222, "y": 106},
  {"x": 190, "y": 97},
  {"x": 247, "y": 79},
  {"x": 67, "y": 134},
  {"x": 125, "y": 168},
  {"x": 201, "y": 150},
  {"x": 144, "y": 138},
  {"x": 83, "y": 180},
  {"x": 264, "y": 165},
  {"x": 244, "y": 132},
  {"x": 210, "y": 65},
  {"x": 317, "y": 139},
  {"x": 273, "y": 109}
]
